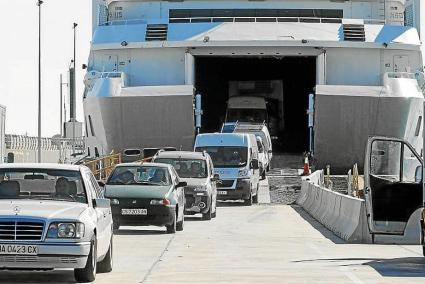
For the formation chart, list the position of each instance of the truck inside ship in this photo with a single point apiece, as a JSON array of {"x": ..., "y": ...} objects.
[{"x": 214, "y": 75}]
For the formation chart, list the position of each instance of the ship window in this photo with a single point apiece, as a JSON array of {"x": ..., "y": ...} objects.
[
  {"x": 418, "y": 126},
  {"x": 96, "y": 152},
  {"x": 175, "y": 14},
  {"x": 91, "y": 126},
  {"x": 88, "y": 151}
]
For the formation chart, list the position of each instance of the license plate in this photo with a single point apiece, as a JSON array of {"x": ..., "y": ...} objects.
[
  {"x": 134, "y": 211},
  {"x": 18, "y": 249},
  {"x": 222, "y": 192}
]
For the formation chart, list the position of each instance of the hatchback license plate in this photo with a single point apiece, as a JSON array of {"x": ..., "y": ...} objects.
[
  {"x": 222, "y": 193},
  {"x": 134, "y": 211},
  {"x": 18, "y": 249}
]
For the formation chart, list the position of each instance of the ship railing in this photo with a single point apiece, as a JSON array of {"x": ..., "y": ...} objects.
[
  {"x": 244, "y": 20},
  {"x": 103, "y": 167},
  {"x": 268, "y": 20}
]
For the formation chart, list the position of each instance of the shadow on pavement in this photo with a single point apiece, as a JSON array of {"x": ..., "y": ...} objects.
[
  {"x": 319, "y": 227},
  {"x": 399, "y": 267},
  {"x": 230, "y": 203},
  {"x": 391, "y": 267},
  {"x": 18, "y": 276},
  {"x": 193, "y": 218},
  {"x": 129, "y": 232}
]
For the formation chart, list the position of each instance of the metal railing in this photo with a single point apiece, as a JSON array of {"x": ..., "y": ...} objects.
[
  {"x": 103, "y": 167},
  {"x": 244, "y": 20}
]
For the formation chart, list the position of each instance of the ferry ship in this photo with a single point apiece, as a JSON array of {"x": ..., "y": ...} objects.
[{"x": 159, "y": 72}]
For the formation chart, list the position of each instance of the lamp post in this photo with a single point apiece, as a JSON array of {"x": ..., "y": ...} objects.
[
  {"x": 73, "y": 90},
  {"x": 39, "y": 3},
  {"x": 61, "y": 105}
]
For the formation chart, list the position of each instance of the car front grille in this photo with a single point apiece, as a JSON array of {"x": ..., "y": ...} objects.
[
  {"x": 21, "y": 230},
  {"x": 36, "y": 259},
  {"x": 226, "y": 183}
]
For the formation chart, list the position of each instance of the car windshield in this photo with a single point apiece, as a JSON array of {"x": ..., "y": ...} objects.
[
  {"x": 246, "y": 115},
  {"x": 227, "y": 157},
  {"x": 140, "y": 175},
  {"x": 187, "y": 168},
  {"x": 42, "y": 184}
]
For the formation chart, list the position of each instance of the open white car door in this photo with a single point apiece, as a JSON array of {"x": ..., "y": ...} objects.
[{"x": 393, "y": 184}]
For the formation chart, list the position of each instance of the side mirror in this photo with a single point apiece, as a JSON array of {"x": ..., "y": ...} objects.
[
  {"x": 101, "y": 183},
  {"x": 418, "y": 174},
  {"x": 101, "y": 203},
  {"x": 254, "y": 164},
  {"x": 216, "y": 178},
  {"x": 182, "y": 184}
]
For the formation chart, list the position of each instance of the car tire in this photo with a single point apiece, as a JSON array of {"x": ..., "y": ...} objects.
[
  {"x": 213, "y": 215},
  {"x": 263, "y": 175},
  {"x": 107, "y": 263},
  {"x": 208, "y": 215},
  {"x": 180, "y": 225},
  {"x": 248, "y": 202},
  {"x": 171, "y": 229},
  {"x": 88, "y": 273}
]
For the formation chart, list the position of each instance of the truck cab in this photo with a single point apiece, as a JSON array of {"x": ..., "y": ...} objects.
[{"x": 247, "y": 109}]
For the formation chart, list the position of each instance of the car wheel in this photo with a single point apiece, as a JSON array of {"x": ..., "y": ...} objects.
[
  {"x": 248, "y": 202},
  {"x": 263, "y": 175},
  {"x": 88, "y": 273},
  {"x": 180, "y": 225},
  {"x": 108, "y": 262},
  {"x": 207, "y": 216},
  {"x": 213, "y": 215},
  {"x": 171, "y": 229}
]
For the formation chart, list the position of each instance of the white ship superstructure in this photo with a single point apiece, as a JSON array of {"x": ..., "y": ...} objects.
[{"x": 358, "y": 58}]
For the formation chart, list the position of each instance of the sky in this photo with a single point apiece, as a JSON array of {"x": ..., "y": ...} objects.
[{"x": 19, "y": 56}]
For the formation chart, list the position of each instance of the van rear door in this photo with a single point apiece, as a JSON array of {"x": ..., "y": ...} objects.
[{"x": 393, "y": 184}]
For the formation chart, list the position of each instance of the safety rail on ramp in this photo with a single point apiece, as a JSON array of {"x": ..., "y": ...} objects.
[{"x": 103, "y": 167}]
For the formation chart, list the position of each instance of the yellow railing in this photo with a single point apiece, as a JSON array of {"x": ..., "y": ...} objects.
[{"x": 103, "y": 167}]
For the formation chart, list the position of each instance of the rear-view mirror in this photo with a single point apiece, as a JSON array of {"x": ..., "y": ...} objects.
[
  {"x": 182, "y": 184},
  {"x": 101, "y": 203},
  {"x": 254, "y": 164}
]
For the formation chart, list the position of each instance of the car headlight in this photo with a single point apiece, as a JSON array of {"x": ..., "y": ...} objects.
[
  {"x": 165, "y": 202},
  {"x": 66, "y": 231},
  {"x": 243, "y": 173},
  {"x": 115, "y": 201}
]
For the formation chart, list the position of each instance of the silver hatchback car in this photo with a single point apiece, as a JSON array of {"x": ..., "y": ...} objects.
[{"x": 54, "y": 217}]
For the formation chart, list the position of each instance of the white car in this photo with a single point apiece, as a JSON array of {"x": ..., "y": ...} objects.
[{"x": 54, "y": 217}]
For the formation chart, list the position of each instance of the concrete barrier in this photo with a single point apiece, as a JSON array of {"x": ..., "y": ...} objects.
[{"x": 344, "y": 215}]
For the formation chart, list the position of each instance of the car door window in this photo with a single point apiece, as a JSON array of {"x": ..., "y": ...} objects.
[{"x": 97, "y": 190}]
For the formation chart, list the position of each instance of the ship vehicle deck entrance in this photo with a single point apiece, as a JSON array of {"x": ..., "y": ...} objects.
[{"x": 214, "y": 75}]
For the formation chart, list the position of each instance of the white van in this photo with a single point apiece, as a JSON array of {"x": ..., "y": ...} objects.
[
  {"x": 259, "y": 130},
  {"x": 235, "y": 159}
]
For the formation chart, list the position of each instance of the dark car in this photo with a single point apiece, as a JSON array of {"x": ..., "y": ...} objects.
[{"x": 144, "y": 194}]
